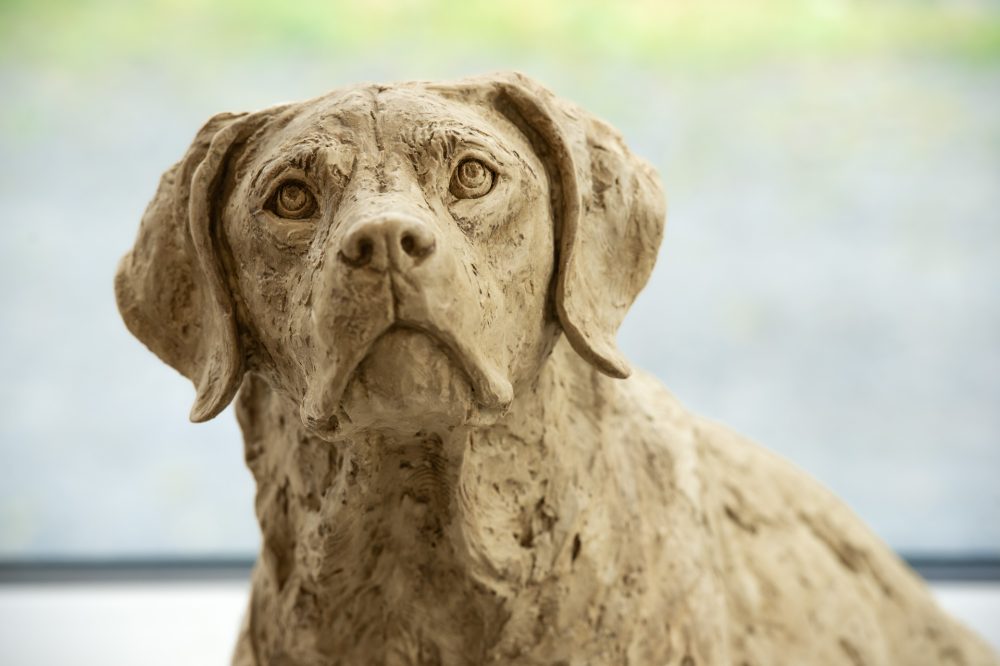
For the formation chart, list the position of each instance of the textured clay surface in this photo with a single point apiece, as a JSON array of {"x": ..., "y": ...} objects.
[{"x": 415, "y": 290}]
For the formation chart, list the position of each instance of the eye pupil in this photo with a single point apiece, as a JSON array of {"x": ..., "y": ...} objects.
[
  {"x": 472, "y": 179},
  {"x": 471, "y": 173},
  {"x": 292, "y": 197},
  {"x": 294, "y": 201}
]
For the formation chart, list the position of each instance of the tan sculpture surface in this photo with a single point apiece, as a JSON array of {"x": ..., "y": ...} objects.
[{"x": 415, "y": 289}]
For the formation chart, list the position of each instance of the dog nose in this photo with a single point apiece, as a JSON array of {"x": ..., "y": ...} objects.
[{"x": 399, "y": 241}]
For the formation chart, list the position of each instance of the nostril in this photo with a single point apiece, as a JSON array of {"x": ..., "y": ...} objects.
[
  {"x": 358, "y": 251},
  {"x": 365, "y": 250},
  {"x": 416, "y": 243},
  {"x": 408, "y": 243}
]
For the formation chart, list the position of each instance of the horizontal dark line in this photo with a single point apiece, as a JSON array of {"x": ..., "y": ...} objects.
[
  {"x": 59, "y": 571},
  {"x": 956, "y": 568},
  {"x": 124, "y": 570}
]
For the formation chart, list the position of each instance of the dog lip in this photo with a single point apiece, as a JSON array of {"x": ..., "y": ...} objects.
[
  {"x": 493, "y": 391},
  {"x": 488, "y": 383}
]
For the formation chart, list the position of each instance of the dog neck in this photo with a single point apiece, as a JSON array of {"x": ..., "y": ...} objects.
[{"x": 416, "y": 542}]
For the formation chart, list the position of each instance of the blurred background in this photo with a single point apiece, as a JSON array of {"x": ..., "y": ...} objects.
[{"x": 829, "y": 283}]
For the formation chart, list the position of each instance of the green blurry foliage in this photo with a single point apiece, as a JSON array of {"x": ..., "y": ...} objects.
[{"x": 88, "y": 33}]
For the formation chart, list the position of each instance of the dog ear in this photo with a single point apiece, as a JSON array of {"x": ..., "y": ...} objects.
[
  {"x": 171, "y": 288},
  {"x": 609, "y": 209}
]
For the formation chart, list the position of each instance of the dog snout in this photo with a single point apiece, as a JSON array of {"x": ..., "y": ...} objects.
[{"x": 399, "y": 241}]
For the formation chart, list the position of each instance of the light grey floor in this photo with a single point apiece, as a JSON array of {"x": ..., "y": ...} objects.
[{"x": 196, "y": 623}]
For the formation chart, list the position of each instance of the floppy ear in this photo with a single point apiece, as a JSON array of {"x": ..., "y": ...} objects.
[
  {"x": 171, "y": 289},
  {"x": 609, "y": 209}
]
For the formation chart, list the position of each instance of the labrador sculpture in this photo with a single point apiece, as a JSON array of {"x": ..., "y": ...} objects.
[{"x": 415, "y": 289}]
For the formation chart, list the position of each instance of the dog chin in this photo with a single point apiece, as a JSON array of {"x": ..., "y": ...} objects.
[{"x": 408, "y": 380}]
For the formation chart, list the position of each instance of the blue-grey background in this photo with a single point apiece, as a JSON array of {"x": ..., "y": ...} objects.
[{"x": 829, "y": 282}]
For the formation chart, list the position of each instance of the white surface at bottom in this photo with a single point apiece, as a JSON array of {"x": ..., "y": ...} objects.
[
  {"x": 196, "y": 623},
  {"x": 151, "y": 624}
]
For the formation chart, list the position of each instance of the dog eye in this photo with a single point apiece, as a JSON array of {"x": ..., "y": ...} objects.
[
  {"x": 472, "y": 179},
  {"x": 293, "y": 201}
]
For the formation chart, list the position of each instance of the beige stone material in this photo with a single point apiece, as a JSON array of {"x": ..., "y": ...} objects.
[{"x": 415, "y": 289}]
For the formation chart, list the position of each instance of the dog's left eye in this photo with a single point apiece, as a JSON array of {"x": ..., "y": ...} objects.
[
  {"x": 293, "y": 201},
  {"x": 472, "y": 179}
]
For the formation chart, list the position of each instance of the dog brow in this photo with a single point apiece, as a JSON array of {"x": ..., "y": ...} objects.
[
  {"x": 302, "y": 156},
  {"x": 445, "y": 137}
]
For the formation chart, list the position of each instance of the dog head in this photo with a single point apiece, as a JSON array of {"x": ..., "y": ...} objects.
[{"x": 393, "y": 253}]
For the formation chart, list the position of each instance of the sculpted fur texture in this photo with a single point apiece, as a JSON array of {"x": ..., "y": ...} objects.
[{"x": 415, "y": 290}]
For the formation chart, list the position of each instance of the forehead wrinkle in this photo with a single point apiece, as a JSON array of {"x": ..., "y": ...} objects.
[
  {"x": 420, "y": 121},
  {"x": 342, "y": 120},
  {"x": 341, "y": 159},
  {"x": 324, "y": 122}
]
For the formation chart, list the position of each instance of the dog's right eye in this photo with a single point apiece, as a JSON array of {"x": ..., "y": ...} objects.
[{"x": 293, "y": 201}]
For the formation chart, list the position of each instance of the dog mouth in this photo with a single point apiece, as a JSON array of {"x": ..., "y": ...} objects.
[{"x": 491, "y": 390}]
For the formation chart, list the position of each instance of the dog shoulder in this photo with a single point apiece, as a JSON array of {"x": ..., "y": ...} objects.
[
  {"x": 775, "y": 539},
  {"x": 782, "y": 540}
]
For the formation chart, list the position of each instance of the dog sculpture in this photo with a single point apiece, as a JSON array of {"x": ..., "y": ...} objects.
[{"x": 416, "y": 289}]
